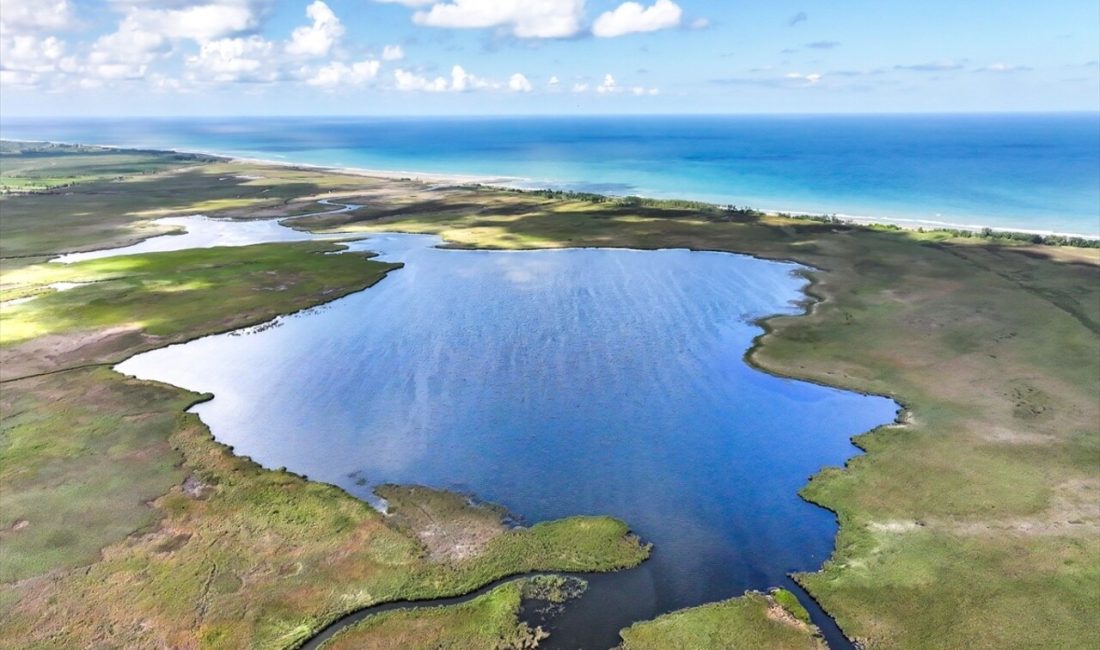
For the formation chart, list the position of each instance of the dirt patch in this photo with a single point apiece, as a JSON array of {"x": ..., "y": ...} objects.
[
  {"x": 451, "y": 527},
  {"x": 71, "y": 349},
  {"x": 1074, "y": 510},
  {"x": 196, "y": 489},
  {"x": 172, "y": 543},
  {"x": 1010, "y": 437},
  {"x": 779, "y": 613},
  {"x": 895, "y": 526}
]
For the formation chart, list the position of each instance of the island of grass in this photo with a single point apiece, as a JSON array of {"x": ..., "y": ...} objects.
[
  {"x": 972, "y": 524},
  {"x": 755, "y": 621}
]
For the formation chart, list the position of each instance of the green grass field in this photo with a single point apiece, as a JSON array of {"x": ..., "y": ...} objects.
[
  {"x": 36, "y": 167},
  {"x": 972, "y": 525},
  {"x": 752, "y": 622}
]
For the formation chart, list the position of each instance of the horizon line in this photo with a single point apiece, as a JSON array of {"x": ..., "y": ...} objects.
[{"x": 1083, "y": 111}]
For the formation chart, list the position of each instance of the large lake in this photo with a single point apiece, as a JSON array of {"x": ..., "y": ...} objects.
[{"x": 555, "y": 383}]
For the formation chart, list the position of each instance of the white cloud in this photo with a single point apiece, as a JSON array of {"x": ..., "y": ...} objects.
[
  {"x": 21, "y": 16},
  {"x": 234, "y": 60},
  {"x": 26, "y": 60},
  {"x": 201, "y": 23},
  {"x": 393, "y": 53},
  {"x": 460, "y": 81},
  {"x": 126, "y": 52},
  {"x": 318, "y": 38},
  {"x": 807, "y": 79},
  {"x": 608, "y": 85},
  {"x": 519, "y": 83},
  {"x": 341, "y": 74},
  {"x": 408, "y": 81},
  {"x": 631, "y": 17},
  {"x": 700, "y": 23},
  {"x": 522, "y": 18},
  {"x": 161, "y": 83},
  {"x": 554, "y": 81},
  {"x": 145, "y": 34},
  {"x": 1004, "y": 67}
]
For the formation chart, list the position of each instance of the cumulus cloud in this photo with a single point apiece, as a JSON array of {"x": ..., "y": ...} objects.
[
  {"x": 610, "y": 86},
  {"x": 631, "y": 17},
  {"x": 35, "y": 15},
  {"x": 393, "y": 53},
  {"x": 147, "y": 32},
  {"x": 317, "y": 38},
  {"x": 409, "y": 81},
  {"x": 26, "y": 59},
  {"x": 460, "y": 80},
  {"x": 126, "y": 52},
  {"x": 233, "y": 60},
  {"x": 338, "y": 74},
  {"x": 519, "y": 83},
  {"x": 521, "y": 18},
  {"x": 199, "y": 22}
]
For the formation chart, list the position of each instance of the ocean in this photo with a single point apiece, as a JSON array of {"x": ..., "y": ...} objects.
[{"x": 1031, "y": 172}]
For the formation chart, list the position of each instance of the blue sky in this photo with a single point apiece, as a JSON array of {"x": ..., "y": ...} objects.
[{"x": 409, "y": 57}]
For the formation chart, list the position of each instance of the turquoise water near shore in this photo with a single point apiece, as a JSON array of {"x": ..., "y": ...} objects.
[{"x": 1029, "y": 172}]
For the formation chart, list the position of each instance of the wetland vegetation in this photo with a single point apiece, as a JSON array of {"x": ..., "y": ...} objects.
[{"x": 973, "y": 524}]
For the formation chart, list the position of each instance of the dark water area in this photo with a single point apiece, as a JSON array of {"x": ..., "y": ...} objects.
[{"x": 555, "y": 383}]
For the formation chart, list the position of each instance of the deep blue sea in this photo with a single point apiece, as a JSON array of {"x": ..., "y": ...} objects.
[{"x": 1025, "y": 172}]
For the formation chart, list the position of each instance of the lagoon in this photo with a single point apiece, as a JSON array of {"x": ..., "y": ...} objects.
[{"x": 559, "y": 382}]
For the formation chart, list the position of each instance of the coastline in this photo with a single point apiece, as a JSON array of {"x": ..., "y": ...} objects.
[{"x": 525, "y": 184}]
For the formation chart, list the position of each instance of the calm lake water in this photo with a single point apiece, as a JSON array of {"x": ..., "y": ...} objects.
[
  {"x": 555, "y": 383},
  {"x": 1018, "y": 171}
]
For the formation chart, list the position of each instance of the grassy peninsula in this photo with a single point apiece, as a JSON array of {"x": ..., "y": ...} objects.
[
  {"x": 774, "y": 621},
  {"x": 972, "y": 524}
]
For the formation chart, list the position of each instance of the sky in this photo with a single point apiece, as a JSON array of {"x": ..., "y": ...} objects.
[{"x": 515, "y": 57}]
